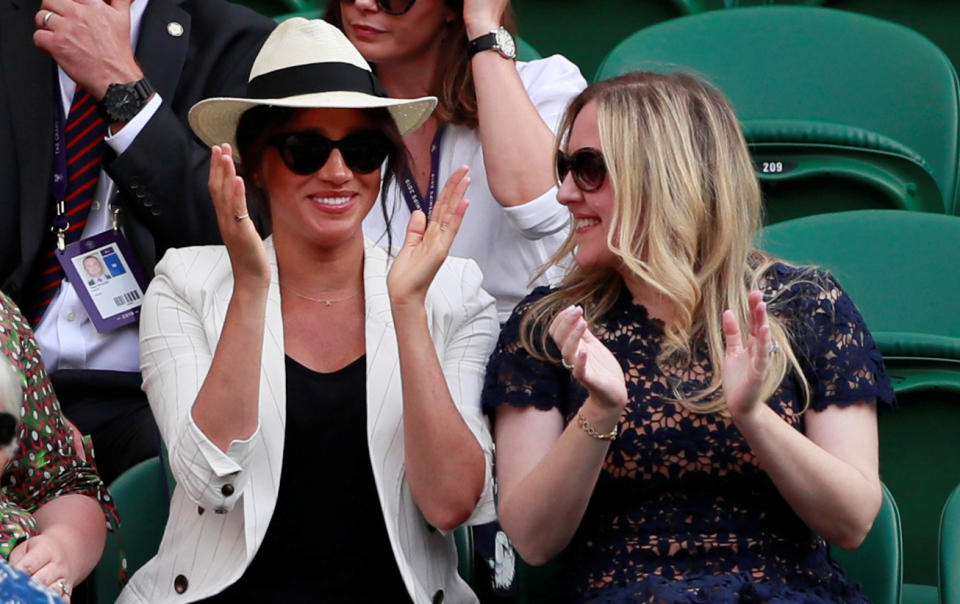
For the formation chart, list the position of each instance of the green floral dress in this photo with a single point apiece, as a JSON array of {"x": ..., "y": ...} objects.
[{"x": 46, "y": 464}]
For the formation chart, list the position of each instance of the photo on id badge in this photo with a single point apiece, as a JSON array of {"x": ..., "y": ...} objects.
[{"x": 110, "y": 288}]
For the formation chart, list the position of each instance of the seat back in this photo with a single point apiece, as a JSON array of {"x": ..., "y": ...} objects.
[
  {"x": 950, "y": 550},
  {"x": 897, "y": 268},
  {"x": 142, "y": 502},
  {"x": 877, "y": 565},
  {"x": 896, "y": 265},
  {"x": 920, "y": 461},
  {"x": 585, "y": 31},
  {"x": 827, "y": 98}
]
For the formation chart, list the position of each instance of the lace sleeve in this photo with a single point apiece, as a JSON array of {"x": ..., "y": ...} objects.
[
  {"x": 516, "y": 378},
  {"x": 839, "y": 357}
]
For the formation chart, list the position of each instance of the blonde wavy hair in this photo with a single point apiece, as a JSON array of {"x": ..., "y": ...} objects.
[{"x": 687, "y": 207}]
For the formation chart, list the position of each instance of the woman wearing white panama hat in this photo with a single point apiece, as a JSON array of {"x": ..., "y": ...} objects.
[{"x": 258, "y": 356}]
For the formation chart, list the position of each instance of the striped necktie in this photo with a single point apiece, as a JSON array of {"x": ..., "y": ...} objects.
[{"x": 83, "y": 137}]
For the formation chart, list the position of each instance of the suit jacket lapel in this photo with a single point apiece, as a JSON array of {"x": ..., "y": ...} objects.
[
  {"x": 29, "y": 76},
  {"x": 161, "y": 54}
]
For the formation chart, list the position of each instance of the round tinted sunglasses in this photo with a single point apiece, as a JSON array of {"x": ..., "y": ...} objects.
[
  {"x": 587, "y": 166},
  {"x": 391, "y": 7},
  {"x": 306, "y": 152}
]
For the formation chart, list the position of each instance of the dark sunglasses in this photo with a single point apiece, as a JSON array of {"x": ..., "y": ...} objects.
[
  {"x": 306, "y": 152},
  {"x": 587, "y": 165},
  {"x": 391, "y": 7}
]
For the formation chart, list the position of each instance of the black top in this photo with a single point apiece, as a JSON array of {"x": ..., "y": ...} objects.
[{"x": 327, "y": 541}]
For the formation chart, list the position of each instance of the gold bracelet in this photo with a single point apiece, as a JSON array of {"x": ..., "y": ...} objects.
[{"x": 593, "y": 432}]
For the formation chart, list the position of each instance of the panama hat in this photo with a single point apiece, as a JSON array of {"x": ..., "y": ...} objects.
[{"x": 305, "y": 64}]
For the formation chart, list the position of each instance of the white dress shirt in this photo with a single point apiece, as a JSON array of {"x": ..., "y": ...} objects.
[
  {"x": 66, "y": 335},
  {"x": 510, "y": 244}
]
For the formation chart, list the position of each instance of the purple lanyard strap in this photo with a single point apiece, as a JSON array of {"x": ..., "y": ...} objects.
[{"x": 408, "y": 187}]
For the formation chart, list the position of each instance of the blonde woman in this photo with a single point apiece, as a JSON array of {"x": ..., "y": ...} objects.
[{"x": 686, "y": 418}]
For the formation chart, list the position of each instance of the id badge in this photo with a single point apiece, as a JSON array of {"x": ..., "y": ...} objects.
[{"x": 107, "y": 278}]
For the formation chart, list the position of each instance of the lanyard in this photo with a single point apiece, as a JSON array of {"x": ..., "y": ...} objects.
[
  {"x": 60, "y": 178},
  {"x": 408, "y": 187},
  {"x": 58, "y": 181}
]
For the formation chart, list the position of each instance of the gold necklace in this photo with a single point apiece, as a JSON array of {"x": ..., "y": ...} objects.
[{"x": 324, "y": 301}]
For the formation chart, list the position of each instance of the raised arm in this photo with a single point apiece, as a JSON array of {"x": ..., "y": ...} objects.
[
  {"x": 828, "y": 476},
  {"x": 518, "y": 144},
  {"x": 546, "y": 472},
  {"x": 447, "y": 467},
  {"x": 206, "y": 396}
]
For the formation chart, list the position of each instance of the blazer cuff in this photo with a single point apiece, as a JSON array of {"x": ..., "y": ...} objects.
[{"x": 211, "y": 477}]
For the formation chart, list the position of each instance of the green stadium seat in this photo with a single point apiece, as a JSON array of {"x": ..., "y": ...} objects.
[
  {"x": 828, "y": 101},
  {"x": 142, "y": 502},
  {"x": 585, "y": 31},
  {"x": 877, "y": 564},
  {"x": 897, "y": 267},
  {"x": 464, "y": 538},
  {"x": 950, "y": 550},
  {"x": 935, "y": 19}
]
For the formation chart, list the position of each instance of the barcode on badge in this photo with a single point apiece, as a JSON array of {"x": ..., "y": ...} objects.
[{"x": 128, "y": 298}]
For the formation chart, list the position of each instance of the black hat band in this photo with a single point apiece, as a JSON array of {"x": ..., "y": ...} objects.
[{"x": 313, "y": 78}]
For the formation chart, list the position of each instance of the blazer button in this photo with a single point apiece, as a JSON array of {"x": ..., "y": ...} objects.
[
  {"x": 438, "y": 597},
  {"x": 200, "y": 511},
  {"x": 227, "y": 490},
  {"x": 180, "y": 584}
]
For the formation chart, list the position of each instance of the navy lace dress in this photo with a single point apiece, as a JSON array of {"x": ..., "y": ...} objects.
[{"x": 681, "y": 511}]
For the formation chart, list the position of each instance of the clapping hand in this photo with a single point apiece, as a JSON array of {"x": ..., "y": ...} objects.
[
  {"x": 746, "y": 363},
  {"x": 589, "y": 361},
  {"x": 247, "y": 254},
  {"x": 427, "y": 244}
]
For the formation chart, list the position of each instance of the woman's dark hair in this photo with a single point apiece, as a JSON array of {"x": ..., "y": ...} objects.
[
  {"x": 258, "y": 124},
  {"x": 453, "y": 80}
]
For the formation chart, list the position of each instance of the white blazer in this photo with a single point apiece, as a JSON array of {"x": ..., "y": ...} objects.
[{"x": 224, "y": 500}]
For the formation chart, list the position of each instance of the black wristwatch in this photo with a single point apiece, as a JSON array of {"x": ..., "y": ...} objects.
[
  {"x": 499, "y": 40},
  {"x": 123, "y": 101}
]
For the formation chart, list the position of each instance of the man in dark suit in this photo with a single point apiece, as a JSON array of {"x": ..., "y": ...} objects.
[{"x": 153, "y": 171}]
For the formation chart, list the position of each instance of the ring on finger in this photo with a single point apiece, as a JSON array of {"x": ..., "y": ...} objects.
[
  {"x": 46, "y": 17},
  {"x": 240, "y": 217},
  {"x": 565, "y": 364},
  {"x": 64, "y": 587},
  {"x": 772, "y": 348}
]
